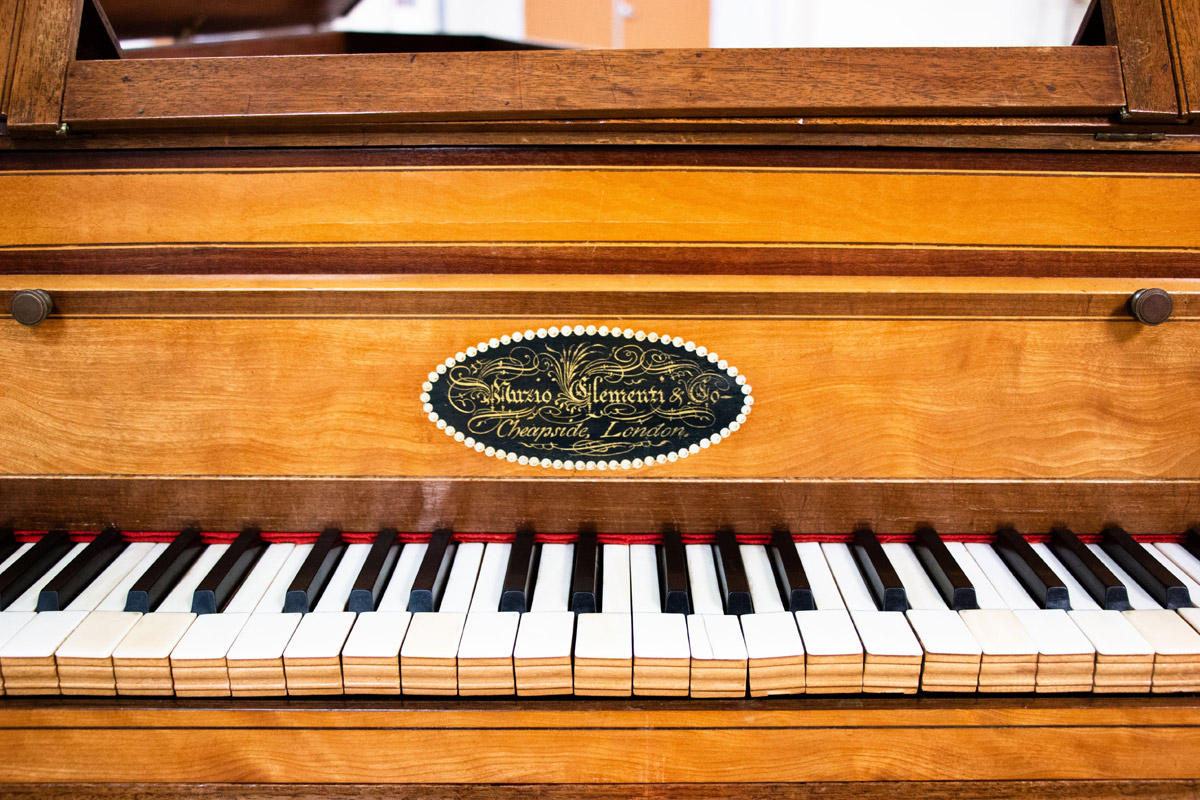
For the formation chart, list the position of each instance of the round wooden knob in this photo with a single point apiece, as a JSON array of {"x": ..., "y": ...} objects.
[
  {"x": 1151, "y": 306},
  {"x": 31, "y": 306}
]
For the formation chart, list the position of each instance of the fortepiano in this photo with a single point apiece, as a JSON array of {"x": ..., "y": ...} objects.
[{"x": 645, "y": 422}]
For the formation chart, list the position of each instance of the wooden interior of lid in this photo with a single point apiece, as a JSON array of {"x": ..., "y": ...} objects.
[{"x": 149, "y": 18}]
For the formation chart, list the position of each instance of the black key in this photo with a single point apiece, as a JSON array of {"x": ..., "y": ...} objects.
[
  {"x": 672, "y": 574},
  {"x": 83, "y": 569},
  {"x": 1034, "y": 574},
  {"x": 789, "y": 573},
  {"x": 8, "y": 544},
  {"x": 731, "y": 574},
  {"x": 376, "y": 570},
  {"x": 1158, "y": 581},
  {"x": 431, "y": 576},
  {"x": 521, "y": 574},
  {"x": 36, "y": 562},
  {"x": 314, "y": 574},
  {"x": 1104, "y": 587},
  {"x": 227, "y": 574},
  {"x": 951, "y": 582},
  {"x": 1192, "y": 543},
  {"x": 156, "y": 583},
  {"x": 878, "y": 572},
  {"x": 585, "y": 581}
]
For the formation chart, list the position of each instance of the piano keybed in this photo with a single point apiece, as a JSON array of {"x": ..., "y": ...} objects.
[{"x": 263, "y": 614}]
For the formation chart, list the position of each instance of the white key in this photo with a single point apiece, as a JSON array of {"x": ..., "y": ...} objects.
[
  {"x": 702, "y": 579},
  {"x": 921, "y": 592},
  {"x": 262, "y": 574},
  {"x": 553, "y": 587},
  {"x": 604, "y": 636},
  {"x": 828, "y": 632},
  {"x": 1111, "y": 633},
  {"x": 337, "y": 591},
  {"x": 98, "y": 635},
  {"x": 1183, "y": 558},
  {"x": 615, "y": 593},
  {"x": 13, "y": 621},
  {"x": 276, "y": 594},
  {"x": 212, "y": 635},
  {"x": 849, "y": 580},
  {"x": 643, "y": 578},
  {"x": 490, "y": 583},
  {"x": 717, "y": 637},
  {"x": 105, "y": 628},
  {"x": 460, "y": 584},
  {"x": 820, "y": 579},
  {"x": 764, "y": 591},
  {"x": 112, "y": 575},
  {"x": 320, "y": 635},
  {"x": 1180, "y": 573},
  {"x": 12, "y": 559},
  {"x": 1138, "y": 598},
  {"x": 489, "y": 635},
  {"x": 115, "y": 599},
  {"x": 395, "y": 596},
  {"x": 885, "y": 634},
  {"x": 433, "y": 634},
  {"x": 180, "y": 598},
  {"x": 999, "y": 632},
  {"x": 1053, "y": 633},
  {"x": 154, "y": 636},
  {"x": 772, "y": 635},
  {"x": 1167, "y": 632},
  {"x": 28, "y": 600},
  {"x": 265, "y": 635},
  {"x": 545, "y": 635},
  {"x": 985, "y": 593},
  {"x": 377, "y": 634},
  {"x": 943, "y": 632},
  {"x": 1005, "y": 583},
  {"x": 43, "y": 635},
  {"x": 660, "y": 636},
  {"x": 1077, "y": 596}
]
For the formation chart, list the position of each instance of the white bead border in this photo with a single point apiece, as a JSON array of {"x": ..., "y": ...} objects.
[{"x": 591, "y": 330}]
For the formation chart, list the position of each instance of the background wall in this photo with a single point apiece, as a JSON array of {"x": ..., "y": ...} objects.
[{"x": 733, "y": 23}]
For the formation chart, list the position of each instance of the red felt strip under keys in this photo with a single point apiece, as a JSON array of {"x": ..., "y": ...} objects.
[{"x": 291, "y": 537}]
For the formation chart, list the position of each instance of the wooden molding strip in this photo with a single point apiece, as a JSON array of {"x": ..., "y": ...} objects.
[
  {"x": 672, "y": 297},
  {"x": 612, "y": 505},
  {"x": 354, "y": 89},
  {"x": 607, "y": 258},
  {"x": 647, "y": 741}
]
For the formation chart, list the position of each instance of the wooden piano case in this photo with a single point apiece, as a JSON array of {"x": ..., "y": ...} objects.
[{"x": 246, "y": 302}]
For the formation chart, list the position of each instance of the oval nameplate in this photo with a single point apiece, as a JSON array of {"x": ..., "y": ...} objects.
[{"x": 587, "y": 398}]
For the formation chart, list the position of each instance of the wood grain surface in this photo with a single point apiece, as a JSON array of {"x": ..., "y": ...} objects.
[
  {"x": 1184, "y": 27},
  {"x": 609, "y": 741},
  {"x": 10, "y": 18},
  {"x": 46, "y": 44},
  {"x": 360, "y": 89},
  {"x": 800, "y": 208},
  {"x": 926, "y": 790},
  {"x": 1138, "y": 29},
  {"x": 881, "y": 398}
]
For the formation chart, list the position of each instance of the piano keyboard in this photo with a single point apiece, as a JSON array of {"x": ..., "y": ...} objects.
[{"x": 255, "y": 614}]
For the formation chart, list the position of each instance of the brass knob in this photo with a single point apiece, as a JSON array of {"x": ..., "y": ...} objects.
[
  {"x": 1151, "y": 306},
  {"x": 31, "y": 306}
]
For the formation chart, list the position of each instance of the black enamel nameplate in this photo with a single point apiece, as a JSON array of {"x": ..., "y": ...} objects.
[{"x": 587, "y": 398}]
